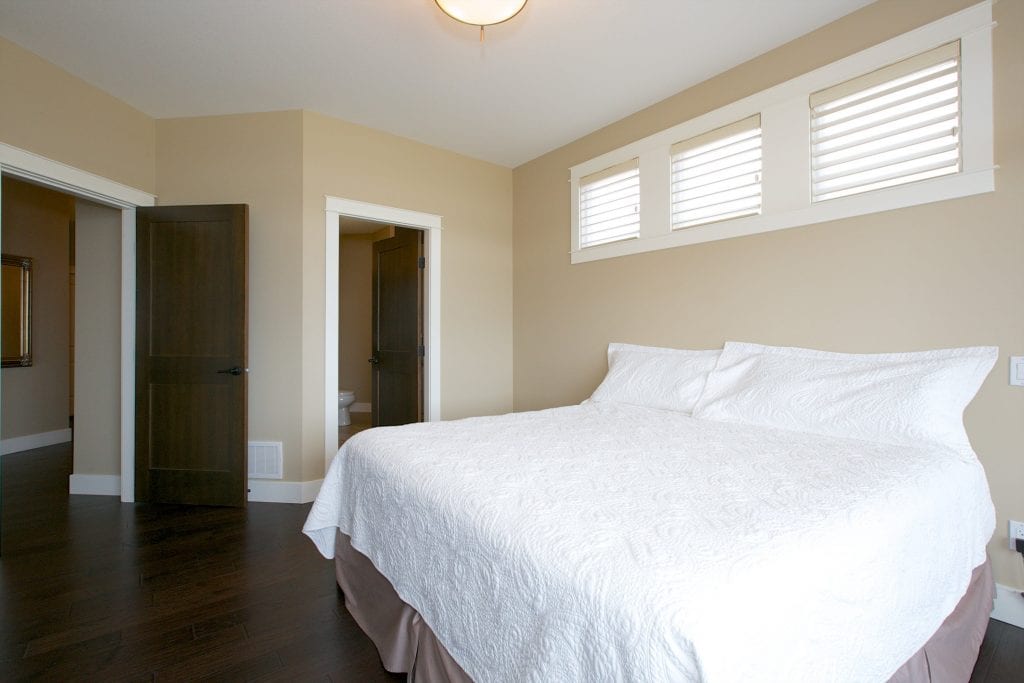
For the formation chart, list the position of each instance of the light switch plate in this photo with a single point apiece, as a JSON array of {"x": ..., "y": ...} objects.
[{"x": 1017, "y": 371}]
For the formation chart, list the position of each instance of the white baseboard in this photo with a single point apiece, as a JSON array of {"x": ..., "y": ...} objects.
[
  {"x": 95, "y": 485},
  {"x": 360, "y": 408},
  {"x": 29, "y": 441},
  {"x": 1009, "y": 607},
  {"x": 267, "y": 491},
  {"x": 260, "y": 490}
]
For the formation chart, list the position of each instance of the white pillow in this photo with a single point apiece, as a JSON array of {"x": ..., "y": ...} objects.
[
  {"x": 668, "y": 379},
  {"x": 896, "y": 398}
]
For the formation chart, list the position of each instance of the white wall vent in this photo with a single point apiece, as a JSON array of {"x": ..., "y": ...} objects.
[{"x": 266, "y": 460}]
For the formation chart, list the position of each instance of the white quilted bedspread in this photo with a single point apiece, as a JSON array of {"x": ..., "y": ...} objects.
[{"x": 605, "y": 542}]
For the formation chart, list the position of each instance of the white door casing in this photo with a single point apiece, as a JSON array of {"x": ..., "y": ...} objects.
[{"x": 335, "y": 208}]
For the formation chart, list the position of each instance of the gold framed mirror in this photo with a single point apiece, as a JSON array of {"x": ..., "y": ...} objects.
[{"x": 16, "y": 311}]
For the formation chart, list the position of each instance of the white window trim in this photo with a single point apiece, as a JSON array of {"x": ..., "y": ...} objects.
[{"x": 785, "y": 123}]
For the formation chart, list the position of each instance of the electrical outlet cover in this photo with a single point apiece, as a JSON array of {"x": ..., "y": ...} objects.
[
  {"x": 1017, "y": 371},
  {"x": 1016, "y": 531}
]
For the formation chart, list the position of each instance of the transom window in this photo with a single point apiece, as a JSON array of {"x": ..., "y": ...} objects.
[
  {"x": 717, "y": 176},
  {"x": 906, "y": 122},
  {"x": 893, "y": 126},
  {"x": 610, "y": 204}
]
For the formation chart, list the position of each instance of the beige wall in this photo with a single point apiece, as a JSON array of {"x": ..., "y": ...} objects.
[
  {"x": 475, "y": 198},
  {"x": 940, "y": 275},
  {"x": 355, "y": 305},
  {"x": 254, "y": 159},
  {"x": 49, "y": 112},
  {"x": 283, "y": 164},
  {"x": 97, "y": 339},
  {"x": 36, "y": 223}
]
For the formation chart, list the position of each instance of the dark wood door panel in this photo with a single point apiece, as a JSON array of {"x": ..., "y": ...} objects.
[
  {"x": 398, "y": 328},
  {"x": 398, "y": 275},
  {"x": 187, "y": 487},
  {"x": 401, "y": 407},
  {"x": 188, "y": 263},
  {"x": 191, "y": 312},
  {"x": 197, "y": 431}
]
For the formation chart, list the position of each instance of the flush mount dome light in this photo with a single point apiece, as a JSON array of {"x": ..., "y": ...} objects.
[{"x": 481, "y": 12}]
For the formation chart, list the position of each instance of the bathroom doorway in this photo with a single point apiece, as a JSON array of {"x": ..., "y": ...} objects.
[
  {"x": 430, "y": 225},
  {"x": 381, "y": 331}
]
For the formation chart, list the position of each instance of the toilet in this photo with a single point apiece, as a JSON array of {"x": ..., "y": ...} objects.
[{"x": 345, "y": 399}]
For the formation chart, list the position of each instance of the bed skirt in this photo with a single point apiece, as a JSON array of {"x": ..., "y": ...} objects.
[{"x": 407, "y": 645}]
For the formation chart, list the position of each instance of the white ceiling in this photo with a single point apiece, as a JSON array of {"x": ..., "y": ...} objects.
[{"x": 401, "y": 66}]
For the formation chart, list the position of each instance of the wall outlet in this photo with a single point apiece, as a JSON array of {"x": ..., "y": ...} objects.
[
  {"x": 1016, "y": 531},
  {"x": 1017, "y": 371}
]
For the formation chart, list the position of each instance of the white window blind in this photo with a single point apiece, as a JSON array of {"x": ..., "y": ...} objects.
[
  {"x": 610, "y": 204},
  {"x": 892, "y": 126},
  {"x": 717, "y": 175}
]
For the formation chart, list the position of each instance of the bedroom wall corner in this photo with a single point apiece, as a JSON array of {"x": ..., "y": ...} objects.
[
  {"x": 98, "y": 339},
  {"x": 932, "y": 276},
  {"x": 49, "y": 112},
  {"x": 253, "y": 159},
  {"x": 474, "y": 198}
]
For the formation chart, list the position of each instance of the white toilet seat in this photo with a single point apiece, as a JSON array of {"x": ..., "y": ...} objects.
[{"x": 345, "y": 399}]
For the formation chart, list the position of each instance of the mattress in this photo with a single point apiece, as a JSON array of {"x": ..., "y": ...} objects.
[{"x": 605, "y": 541}]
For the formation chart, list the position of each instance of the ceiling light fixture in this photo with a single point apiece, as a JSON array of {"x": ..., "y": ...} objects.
[{"x": 481, "y": 12}]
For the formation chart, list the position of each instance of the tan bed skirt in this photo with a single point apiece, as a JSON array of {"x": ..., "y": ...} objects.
[{"x": 406, "y": 643}]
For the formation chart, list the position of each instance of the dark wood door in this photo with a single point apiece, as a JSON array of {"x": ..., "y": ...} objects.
[
  {"x": 190, "y": 355},
  {"x": 398, "y": 328}
]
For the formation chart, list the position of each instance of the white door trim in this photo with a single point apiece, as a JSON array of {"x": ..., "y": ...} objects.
[
  {"x": 335, "y": 207},
  {"x": 128, "y": 353},
  {"x": 59, "y": 176}
]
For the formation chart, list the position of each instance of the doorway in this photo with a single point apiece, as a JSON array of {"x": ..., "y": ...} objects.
[
  {"x": 430, "y": 227},
  {"x": 38, "y": 316},
  {"x": 74, "y": 246},
  {"x": 381, "y": 337},
  {"x": 106, "y": 194}
]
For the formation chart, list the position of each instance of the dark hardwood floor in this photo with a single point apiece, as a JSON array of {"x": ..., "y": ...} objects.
[
  {"x": 1001, "y": 659},
  {"x": 94, "y": 589},
  {"x": 97, "y": 590}
]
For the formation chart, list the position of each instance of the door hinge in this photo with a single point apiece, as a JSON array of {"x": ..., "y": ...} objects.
[
  {"x": 420, "y": 351},
  {"x": 422, "y": 262}
]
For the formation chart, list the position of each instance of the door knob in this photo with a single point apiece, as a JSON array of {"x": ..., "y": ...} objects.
[
  {"x": 373, "y": 361},
  {"x": 231, "y": 371}
]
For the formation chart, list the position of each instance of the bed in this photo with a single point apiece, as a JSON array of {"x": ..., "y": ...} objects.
[{"x": 684, "y": 524}]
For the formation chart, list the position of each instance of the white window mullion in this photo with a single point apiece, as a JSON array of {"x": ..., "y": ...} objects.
[
  {"x": 977, "y": 127},
  {"x": 785, "y": 151},
  {"x": 655, "y": 219}
]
